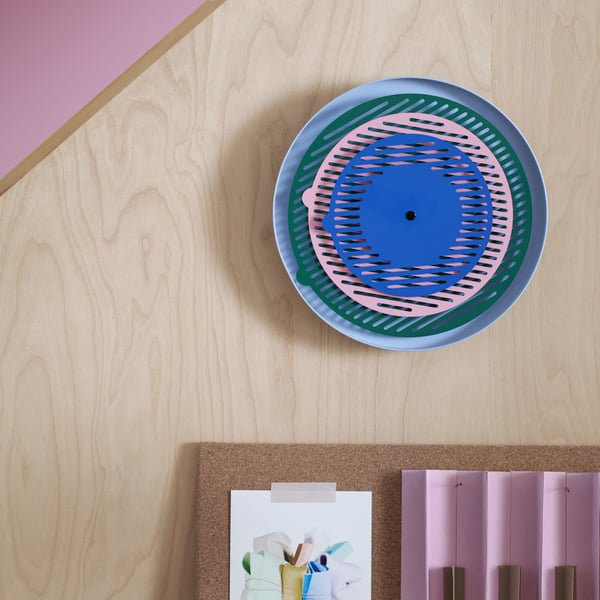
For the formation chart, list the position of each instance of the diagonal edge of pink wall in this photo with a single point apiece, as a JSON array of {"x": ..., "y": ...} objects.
[{"x": 56, "y": 57}]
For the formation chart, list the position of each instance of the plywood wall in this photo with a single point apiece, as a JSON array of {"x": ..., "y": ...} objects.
[{"x": 144, "y": 307}]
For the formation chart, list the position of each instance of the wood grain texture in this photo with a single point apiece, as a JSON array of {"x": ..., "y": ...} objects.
[
  {"x": 144, "y": 308},
  {"x": 104, "y": 95}
]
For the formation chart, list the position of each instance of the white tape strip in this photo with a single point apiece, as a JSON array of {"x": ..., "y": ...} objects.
[{"x": 303, "y": 492}]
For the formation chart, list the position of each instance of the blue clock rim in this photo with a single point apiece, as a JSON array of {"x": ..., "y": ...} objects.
[{"x": 426, "y": 86}]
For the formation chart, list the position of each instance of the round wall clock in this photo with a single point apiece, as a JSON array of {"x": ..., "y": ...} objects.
[{"x": 410, "y": 213}]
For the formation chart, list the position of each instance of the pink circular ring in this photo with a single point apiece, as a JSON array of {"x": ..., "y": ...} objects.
[{"x": 317, "y": 199}]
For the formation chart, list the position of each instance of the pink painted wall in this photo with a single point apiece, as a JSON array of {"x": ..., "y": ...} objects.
[{"x": 56, "y": 56}]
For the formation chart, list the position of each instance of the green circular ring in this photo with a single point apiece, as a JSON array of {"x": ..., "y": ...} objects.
[{"x": 310, "y": 271}]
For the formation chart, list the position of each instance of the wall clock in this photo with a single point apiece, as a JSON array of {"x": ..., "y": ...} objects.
[{"x": 410, "y": 213}]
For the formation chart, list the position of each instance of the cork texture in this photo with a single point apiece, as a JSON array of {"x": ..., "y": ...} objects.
[{"x": 224, "y": 467}]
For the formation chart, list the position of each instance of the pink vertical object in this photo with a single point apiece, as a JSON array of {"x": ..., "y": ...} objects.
[
  {"x": 471, "y": 493},
  {"x": 55, "y": 57},
  {"x": 582, "y": 531},
  {"x": 443, "y": 524},
  {"x": 441, "y": 528},
  {"x": 429, "y": 519},
  {"x": 482, "y": 520},
  {"x": 414, "y": 579},
  {"x": 554, "y": 527},
  {"x": 498, "y": 529},
  {"x": 525, "y": 528}
]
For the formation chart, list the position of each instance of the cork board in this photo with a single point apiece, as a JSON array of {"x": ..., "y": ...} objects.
[{"x": 223, "y": 467}]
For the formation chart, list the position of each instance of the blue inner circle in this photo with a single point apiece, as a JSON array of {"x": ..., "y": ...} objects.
[{"x": 410, "y": 215}]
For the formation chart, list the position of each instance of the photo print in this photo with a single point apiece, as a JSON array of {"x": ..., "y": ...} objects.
[{"x": 300, "y": 550}]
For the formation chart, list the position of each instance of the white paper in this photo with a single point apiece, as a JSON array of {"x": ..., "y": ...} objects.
[{"x": 253, "y": 515}]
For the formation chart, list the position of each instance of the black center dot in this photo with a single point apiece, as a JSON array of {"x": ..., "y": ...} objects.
[{"x": 410, "y": 215}]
